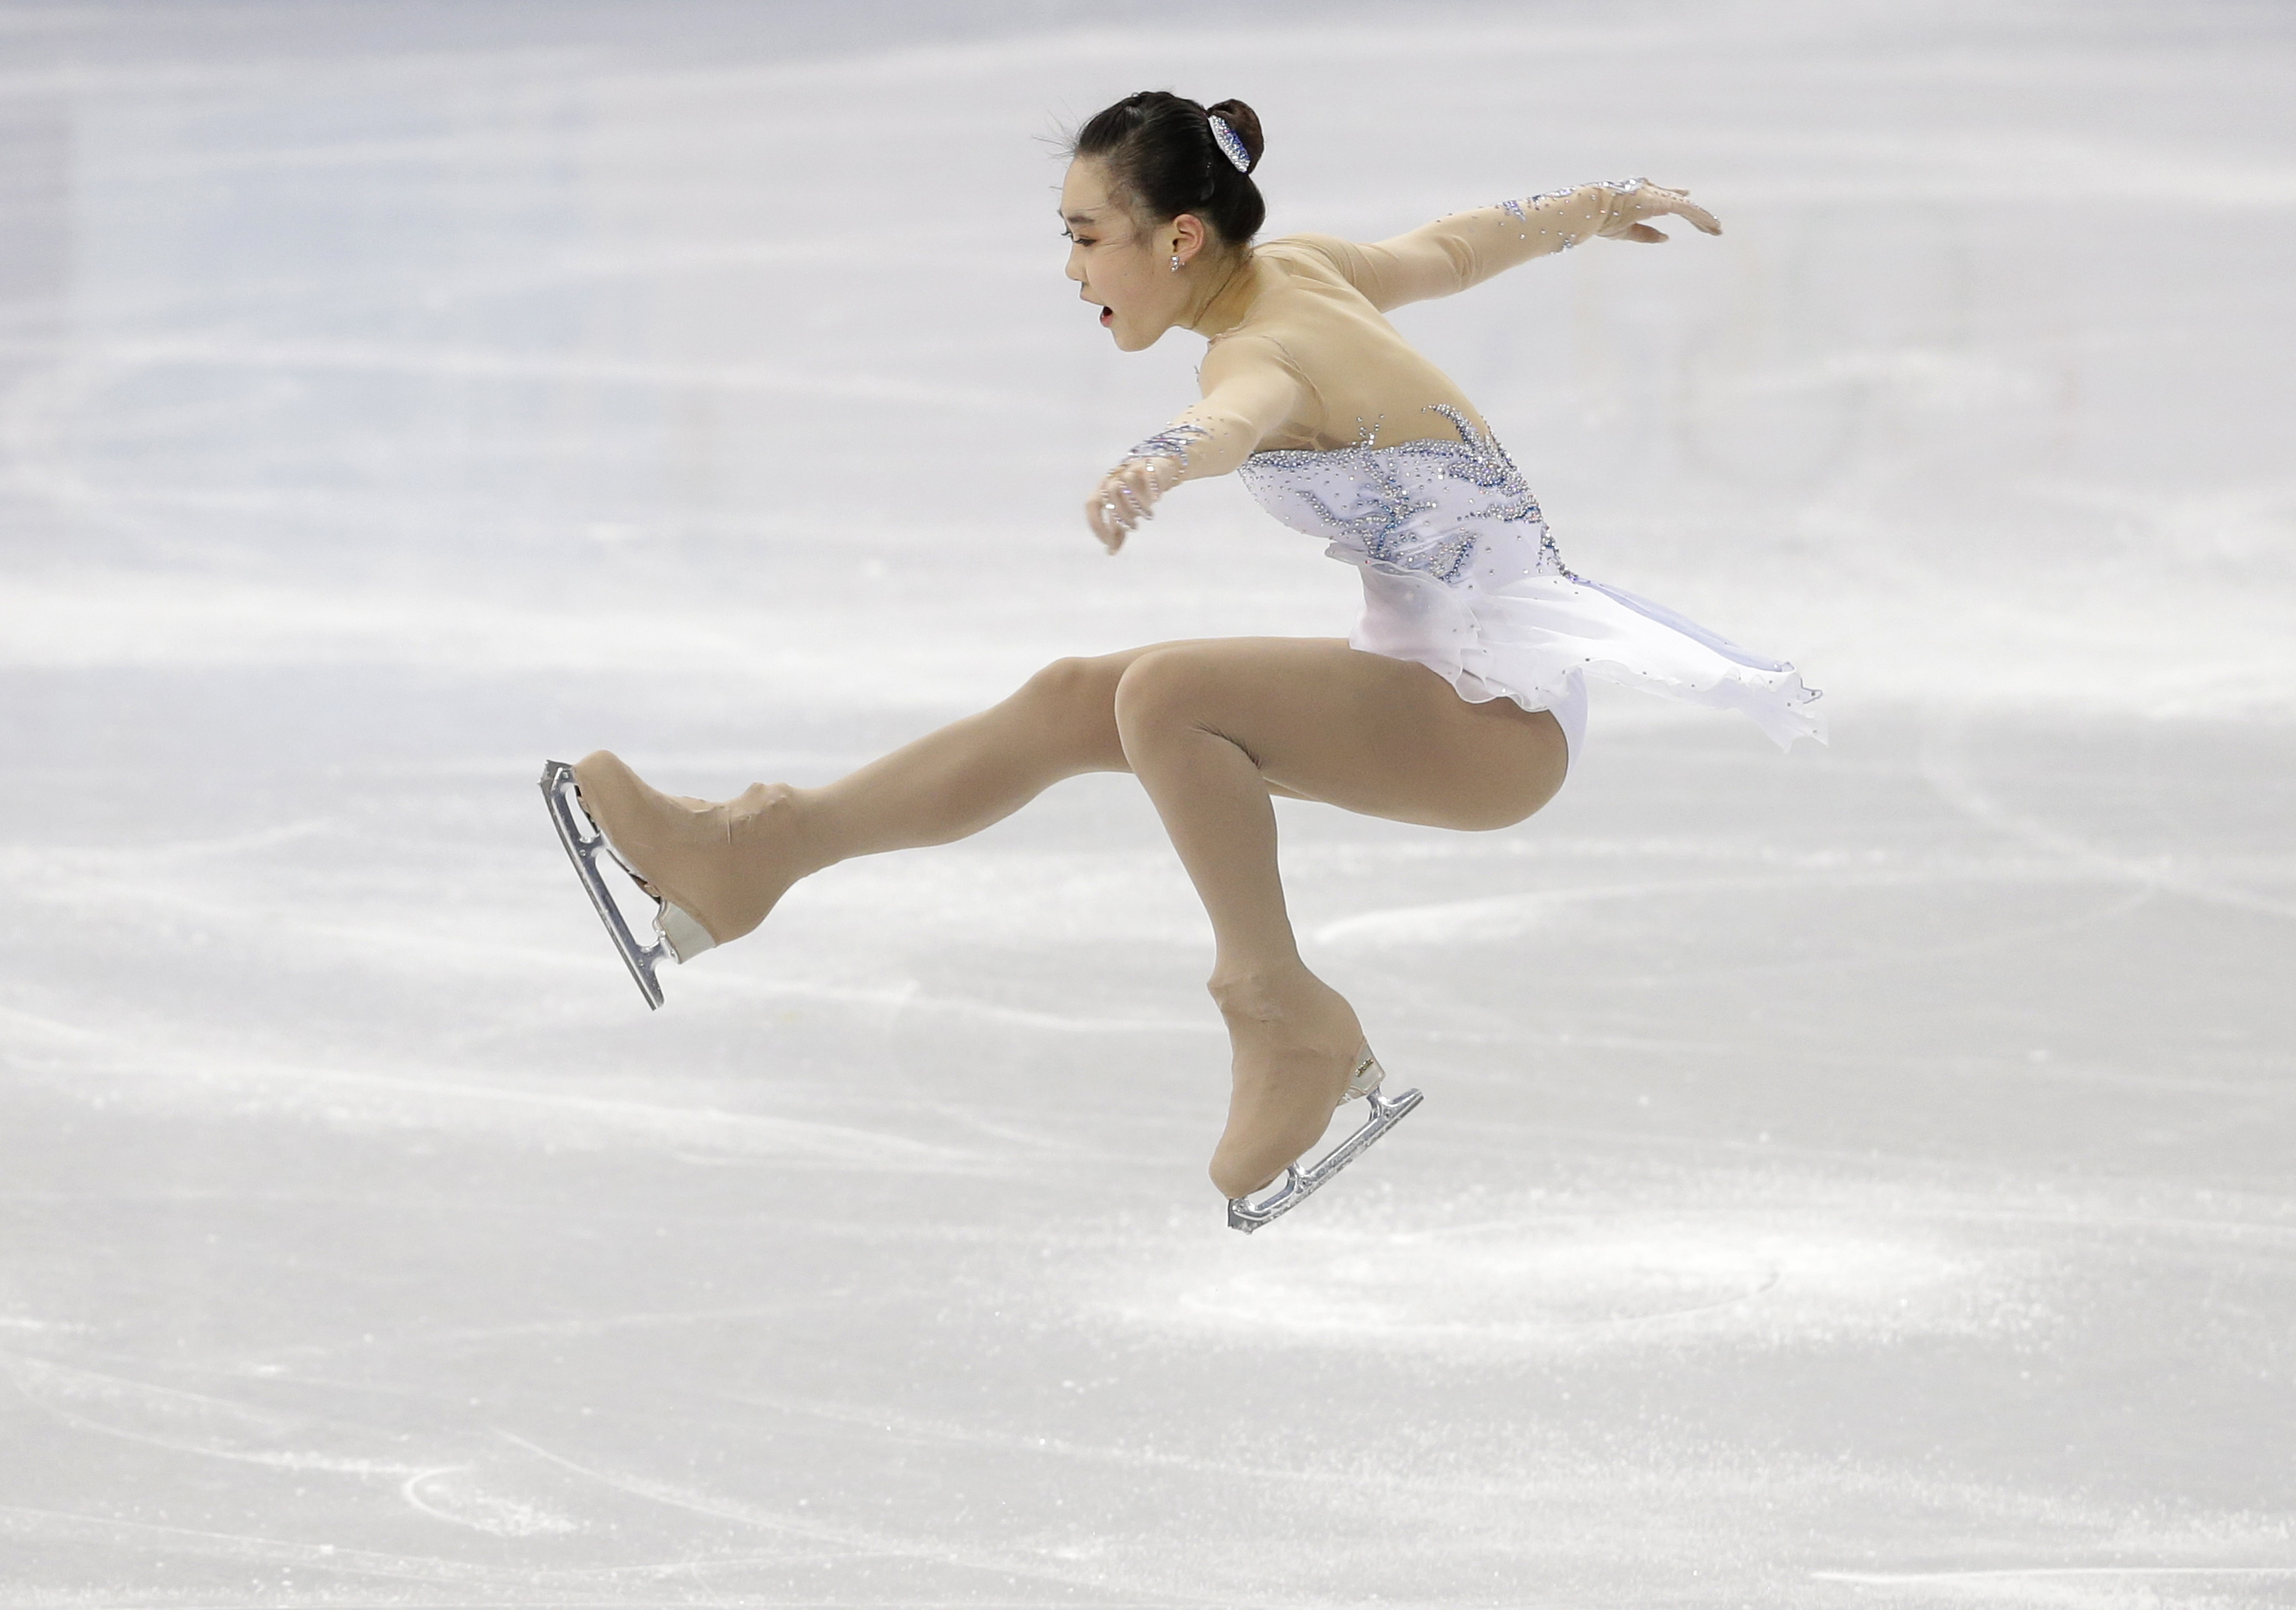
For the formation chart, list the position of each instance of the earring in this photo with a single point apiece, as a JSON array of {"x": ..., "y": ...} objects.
[{"x": 1175, "y": 262}]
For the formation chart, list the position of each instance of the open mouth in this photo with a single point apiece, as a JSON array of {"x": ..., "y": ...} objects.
[{"x": 1107, "y": 316}]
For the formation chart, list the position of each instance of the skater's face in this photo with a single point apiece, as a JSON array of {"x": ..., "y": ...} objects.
[{"x": 1123, "y": 265}]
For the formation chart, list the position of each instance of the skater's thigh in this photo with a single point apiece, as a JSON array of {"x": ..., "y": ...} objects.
[{"x": 1381, "y": 736}]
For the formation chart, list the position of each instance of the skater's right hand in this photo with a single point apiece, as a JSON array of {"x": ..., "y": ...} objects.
[{"x": 1126, "y": 496}]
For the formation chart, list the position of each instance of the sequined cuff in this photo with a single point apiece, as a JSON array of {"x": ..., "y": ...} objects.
[
  {"x": 1518, "y": 211},
  {"x": 1567, "y": 237},
  {"x": 1171, "y": 442}
]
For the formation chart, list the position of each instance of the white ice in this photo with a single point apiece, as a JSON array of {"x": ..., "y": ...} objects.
[{"x": 1856, "y": 1179}]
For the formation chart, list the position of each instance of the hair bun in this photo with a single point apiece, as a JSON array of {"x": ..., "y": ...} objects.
[
  {"x": 1163, "y": 159},
  {"x": 1245, "y": 121}
]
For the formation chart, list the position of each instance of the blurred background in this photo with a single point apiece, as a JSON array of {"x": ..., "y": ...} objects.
[{"x": 1854, "y": 1179}]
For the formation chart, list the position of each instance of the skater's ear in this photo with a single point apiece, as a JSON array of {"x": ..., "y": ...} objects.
[{"x": 1183, "y": 237}]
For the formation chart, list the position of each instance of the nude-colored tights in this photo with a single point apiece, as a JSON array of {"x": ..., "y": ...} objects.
[{"x": 1210, "y": 729}]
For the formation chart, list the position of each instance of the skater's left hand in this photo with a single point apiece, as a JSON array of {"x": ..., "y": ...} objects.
[
  {"x": 1628, "y": 210},
  {"x": 1126, "y": 496}
]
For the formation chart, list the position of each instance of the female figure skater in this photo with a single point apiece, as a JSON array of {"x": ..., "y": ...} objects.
[{"x": 1456, "y": 702}]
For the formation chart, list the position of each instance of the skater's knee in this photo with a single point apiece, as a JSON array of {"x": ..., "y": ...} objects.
[
  {"x": 1160, "y": 687},
  {"x": 1068, "y": 685},
  {"x": 1070, "y": 705}
]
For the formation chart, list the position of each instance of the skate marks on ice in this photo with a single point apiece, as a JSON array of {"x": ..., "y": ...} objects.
[
  {"x": 480, "y": 1479},
  {"x": 201, "y": 1423},
  {"x": 1402, "y": 1485},
  {"x": 2228, "y": 880},
  {"x": 2103, "y": 1586},
  {"x": 1822, "y": 883},
  {"x": 576, "y": 1514},
  {"x": 1918, "y": 901},
  {"x": 1018, "y": 1563},
  {"x": 208, "y": 1426},
  {"x": 434, "y": 1475},
  {"x": 153, "y": 1069},
  {"x": 1798, "y": 1252},
  {"x": 589, "y": 1512},
  {"x": 335, "y": 1574},
  {"x": 1705, "y": 1258}
]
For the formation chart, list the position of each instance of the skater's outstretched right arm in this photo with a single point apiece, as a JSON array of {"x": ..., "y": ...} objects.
[
  {"x": 1251, "y": 391},
  {"x": 1465, "y": 249}
]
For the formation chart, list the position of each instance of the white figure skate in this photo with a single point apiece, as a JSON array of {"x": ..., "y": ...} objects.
[
  {"x": 1298, "y": 1184},
  {"x": 677, "y": 935}
]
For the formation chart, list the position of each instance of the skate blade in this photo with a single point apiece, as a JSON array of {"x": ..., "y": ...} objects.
[
  {"x": 1298, "y": 1184},
  {"x": 584, "y": 844}
]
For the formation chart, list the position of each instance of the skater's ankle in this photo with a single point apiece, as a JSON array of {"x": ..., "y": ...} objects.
[
  {"x": 791, "y": 821},
  {"x": 1264, "y": 994}
]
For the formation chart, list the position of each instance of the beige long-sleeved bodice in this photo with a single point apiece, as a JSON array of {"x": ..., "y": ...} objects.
[
  {"x": 1342, "y": 430},
  {"x": 1301, "y": 355}
]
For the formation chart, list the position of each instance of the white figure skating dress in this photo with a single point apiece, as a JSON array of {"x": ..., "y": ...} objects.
[{"x": 1461, "y": 576}]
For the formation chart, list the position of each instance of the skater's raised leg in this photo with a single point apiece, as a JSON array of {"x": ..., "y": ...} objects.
[
  {"x": 975, "y": 772},
  {"x": 727, "y": 863},
  {"x": 1209, "y": 728}
]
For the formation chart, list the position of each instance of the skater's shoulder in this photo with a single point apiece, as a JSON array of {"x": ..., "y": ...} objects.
[
  {"x": 1297, "y": 277},
  {"x": 1314, "y": 253},
  {"x": 1310, "y": 263}
]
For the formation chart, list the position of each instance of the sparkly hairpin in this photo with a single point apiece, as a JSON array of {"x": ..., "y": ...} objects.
[{"x": 1230, "y": 143}]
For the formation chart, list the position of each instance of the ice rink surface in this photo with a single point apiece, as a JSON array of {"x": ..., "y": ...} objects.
[{"x": 1858, "y": 1179}]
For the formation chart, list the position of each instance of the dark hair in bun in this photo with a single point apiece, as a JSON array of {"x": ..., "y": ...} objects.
[{"x": 1163, "y": 160}]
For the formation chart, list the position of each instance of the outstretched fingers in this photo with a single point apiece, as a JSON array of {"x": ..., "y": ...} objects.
[
  {"x": 1684, "y": 208},
  {"x": 1647, "y": 200}
]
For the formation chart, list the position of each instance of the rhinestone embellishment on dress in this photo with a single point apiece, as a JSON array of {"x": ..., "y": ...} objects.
[{"x": 1387, "y": 491}]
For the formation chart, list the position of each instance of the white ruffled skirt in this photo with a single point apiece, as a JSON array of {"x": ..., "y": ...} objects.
[{"x": 1536, "y": 638}]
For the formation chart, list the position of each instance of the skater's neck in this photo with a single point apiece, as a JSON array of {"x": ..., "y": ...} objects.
[{"x": 1227, "y": 296}]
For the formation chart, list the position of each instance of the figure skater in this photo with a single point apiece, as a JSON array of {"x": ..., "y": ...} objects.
[{"x": 1458, "y": 701}]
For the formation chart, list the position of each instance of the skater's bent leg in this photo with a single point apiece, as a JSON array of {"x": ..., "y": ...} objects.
[
  {"x": 1293, "y": 1036},
  {"x": 1210, "y": 727}
]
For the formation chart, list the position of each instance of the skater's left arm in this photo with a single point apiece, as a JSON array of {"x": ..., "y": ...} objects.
[
  {"x": 1448, "y": 256},
  {"x": 1251, "y": 391}
]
